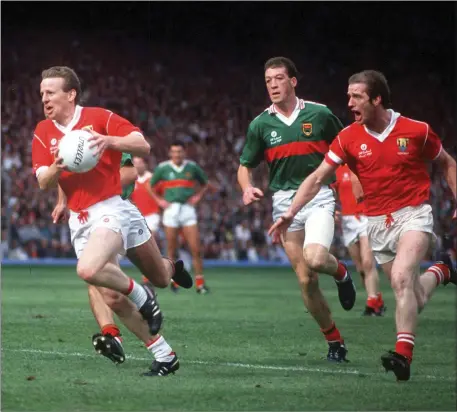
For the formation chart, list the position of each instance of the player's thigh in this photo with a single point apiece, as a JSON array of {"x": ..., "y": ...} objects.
[
  {"x": 103, "y": 245},
  {"x": 411, "y": 249},
  {"x": 192, "y": 237},
  {"x": 355, "y": 254},
  {"x": 170, "y": 216},
  {"x": 387, "y": 269},
  {"x": 319, "y": 231},
  {"x": 293, "y": 246},
  {"x": 187, "y": 215}
]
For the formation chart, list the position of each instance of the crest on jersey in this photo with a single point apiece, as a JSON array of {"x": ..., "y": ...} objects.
[
  {"x": 88, "y": 128},
  {"x": 307, "y": 129},
  {"x": 188, "y": 174},
  {"x": 402, "y": 143}
]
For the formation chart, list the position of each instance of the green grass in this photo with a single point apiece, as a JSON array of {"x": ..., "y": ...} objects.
[{"x": 249, "y": 345}]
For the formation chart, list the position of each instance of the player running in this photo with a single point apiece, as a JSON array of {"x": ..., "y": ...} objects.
[
  {"x": 390, "y": 153},
  {"x": 293, "y": 135},
  {"x": 355, "y": 239},
  {"x": 178, "y": 178},
  {"x": 102, "y": 225}
]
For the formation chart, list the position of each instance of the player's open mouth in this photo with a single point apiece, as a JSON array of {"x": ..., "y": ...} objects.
[{"x": 357, "y": 115}]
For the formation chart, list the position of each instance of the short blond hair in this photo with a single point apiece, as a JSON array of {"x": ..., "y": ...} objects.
[{"x": 71, "y": 79}]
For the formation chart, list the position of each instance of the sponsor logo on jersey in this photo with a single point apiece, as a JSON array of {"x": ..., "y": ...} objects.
[
  {"x": 402, "y": 143},
  {"x": 364, "y": 151},
  {"x": 53, "y": 142},
  {"x": 307, "y": 129}
]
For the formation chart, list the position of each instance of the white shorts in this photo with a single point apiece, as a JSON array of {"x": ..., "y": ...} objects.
[
  {"x": 153, "y": 221},
  {"x": 316, "y": 218},
  {"x": 353, "y": 228},
  {"x": 116, "y": 214},
  {"x": 179, "y": 215},
  {"x": 384, "y": 239}
]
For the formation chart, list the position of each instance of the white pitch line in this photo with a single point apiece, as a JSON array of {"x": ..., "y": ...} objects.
[{"x": 238, "y": 365}]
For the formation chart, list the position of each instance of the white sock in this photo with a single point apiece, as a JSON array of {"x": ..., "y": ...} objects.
[
  {"x": 137, "y": 295},
  {"x": 161, "y": 350}
]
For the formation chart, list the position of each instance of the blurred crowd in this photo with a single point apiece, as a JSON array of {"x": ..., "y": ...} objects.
[{"x": 205, "y": 100}]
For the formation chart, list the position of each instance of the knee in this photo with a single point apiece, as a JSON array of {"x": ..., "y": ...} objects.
[
  {"x": 367, "y": 264},
  {"x": 315, "y": 260},
  {"x": 400, "y": 281},
  {"x": 85, "y": 272},
  {"x": 308, "y": 282},
  {"x": 161, "y": 282}
]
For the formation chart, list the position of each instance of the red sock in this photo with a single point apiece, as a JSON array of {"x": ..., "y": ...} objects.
[
  {"x": 373, "y": 302},
  {"x": 340, "y": 272},
  {"x": 111, "y": 329},
  {"x": 199, "y": 281},
  {"x": 405, "y": 345},
  {"x": 332, "y": 334},
  {"x": 441, "y": 272},
  {"x": 380, "y": 300}
]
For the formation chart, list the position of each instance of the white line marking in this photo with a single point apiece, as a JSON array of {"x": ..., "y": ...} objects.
[{"x": 239, "y": 365}]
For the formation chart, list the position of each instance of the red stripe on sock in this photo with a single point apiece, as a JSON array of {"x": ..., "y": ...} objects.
[
  {"x": 152, "y": 341},
  {"x": 332, "y": 334},
  {"x": 131, "y": 285},
  {"x": 405, "y": 345},
  {"x": 436, "y": 268},
  {"x": 340, "y": 272},
  {"x": 111, "y": 329}
]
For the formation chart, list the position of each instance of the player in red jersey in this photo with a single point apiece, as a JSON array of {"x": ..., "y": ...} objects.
[
  {"x": 141, "y": 197},
  {"x": 102, "y": 225},
  {"x": 390, "y": 153},
  {"x": 355, "y": 239}
]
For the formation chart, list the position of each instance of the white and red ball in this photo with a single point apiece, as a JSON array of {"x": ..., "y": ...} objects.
[{"x": 75, "y": 152}]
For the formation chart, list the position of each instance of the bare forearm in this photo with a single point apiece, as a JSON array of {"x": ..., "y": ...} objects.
[
  {"x": 61, "y": 197},
  {"x": 134, "y": 144},
  {"x": 449, "y": 175},
  {"x": 49, "y": 178},
  {"x": 128, "y": 176},
  {"x": 244, "y": 177},
  {"x": 305, "y": 193}
]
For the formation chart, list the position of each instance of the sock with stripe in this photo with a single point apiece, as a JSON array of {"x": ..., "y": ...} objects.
[
  {"x": 375, "y": 302},
  {"x": 136, "y": 294},
  {"x": 161, "y": 350},
  {"x": 405, "y": 345},
  {"x": 199, "y": 281},
  {"x": 112, "y": 330},
  {"x": 332, "y": 334},
  {"x": 441, "y": 272},
  {"x": 341, "y": 274}
]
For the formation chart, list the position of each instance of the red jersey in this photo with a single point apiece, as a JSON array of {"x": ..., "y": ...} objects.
[
  {"x": 100, "y": 183},
  {"x": 391, "y": 166},
  {"x": 141, "y": 197},
  {"x": 343, "y": 184}
]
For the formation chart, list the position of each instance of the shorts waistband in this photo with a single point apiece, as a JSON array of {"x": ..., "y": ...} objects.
[
  {"x": 394, "y": 215},
  {"x": 105, "y": 203}
]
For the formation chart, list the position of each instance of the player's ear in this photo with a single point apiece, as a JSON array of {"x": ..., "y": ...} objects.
[
  {"x": 72, "y": 95},
  {"x": 293, "y": 81},
  {"x": 377, "y": 101}
]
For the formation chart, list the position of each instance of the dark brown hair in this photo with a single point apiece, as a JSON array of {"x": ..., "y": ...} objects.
[
  {"x": 376, "y": 84},
  {"x": 282, "y": 62}
]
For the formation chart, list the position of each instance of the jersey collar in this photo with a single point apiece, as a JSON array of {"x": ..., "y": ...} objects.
[
  {"x": 288, "y": 120},
  {"x": 385, "y": 134},
  {"x": 73, "y": 122},
  {"x": 176, "y": 168}
]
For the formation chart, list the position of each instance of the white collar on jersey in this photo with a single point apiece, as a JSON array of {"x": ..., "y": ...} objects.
[
  {"x": 383, "y": 136},
  {"x": 74, "y": 120},
  {"x": 176, "y": 168},
  {"x": 146, "y": 176},
  {"x": 288, "y": 120}
]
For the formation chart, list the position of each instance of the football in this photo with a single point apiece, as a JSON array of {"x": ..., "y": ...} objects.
[{"x": 75, "y": 152}]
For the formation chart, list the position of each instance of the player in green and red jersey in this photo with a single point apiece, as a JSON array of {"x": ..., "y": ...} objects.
[
  {"x": 292, "y": 136},
  {"x": 178, "y": 179}
]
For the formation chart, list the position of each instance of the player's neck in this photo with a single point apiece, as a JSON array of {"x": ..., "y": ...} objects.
[
  {"x": 380, "y": 122},
  {"x": 177, "y": 164},
  {"x": 287, "y": 107},
  {"x": 66, "y": 117}
]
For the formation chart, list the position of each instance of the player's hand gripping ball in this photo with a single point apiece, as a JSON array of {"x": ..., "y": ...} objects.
[{"x": 75, "y": 152}]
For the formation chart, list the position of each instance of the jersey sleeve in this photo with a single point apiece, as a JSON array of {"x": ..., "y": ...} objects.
[
  {"x": 332, "y": 126},
  {"x": 41, "y": 155},
  {"x": 336, "y": 155},
  {"x": 253, "y": 151},
  {"x": 118, "y": 126},
  {"x": 200, "y": 175},
  {"x": 156, "y": 176},
  {"x": 126, "y": 160},
  {"x": 432, "y": 145}
]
